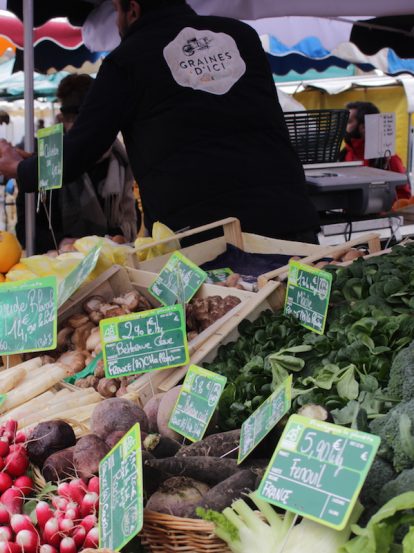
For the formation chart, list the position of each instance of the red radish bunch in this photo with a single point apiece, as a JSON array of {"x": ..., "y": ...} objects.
[{"x": 67, "y": 525}]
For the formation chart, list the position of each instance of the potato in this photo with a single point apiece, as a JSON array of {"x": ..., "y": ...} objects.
[
  {"x": 165, "y": 409},
  {"x": 87, "y": 454},
  {"x": 117, "y": 414},
  {"x": 151, "y": 410},
  {"x": 59, "y": 465},
  {"x": 47, "y": 438}
]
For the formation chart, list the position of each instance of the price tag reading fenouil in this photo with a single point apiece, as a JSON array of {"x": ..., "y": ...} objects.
[
  {"x": 77, "y": 277},
  {"x": 120, "y": 496},
  {"x": 50, "y": 157},
  {"x": 28, "y": 316},
  {"x": 178, "y": 280},
  {"x": 266, "y": 416},
  {"x": 198, "y": 399},
  {"x": 318, "y": 470},
  {"x": 143, "y": 342},
  {"x": 307, "y": 295}
]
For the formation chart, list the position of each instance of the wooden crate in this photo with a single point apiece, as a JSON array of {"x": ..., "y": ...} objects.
[{"x": 119, "y": 280}]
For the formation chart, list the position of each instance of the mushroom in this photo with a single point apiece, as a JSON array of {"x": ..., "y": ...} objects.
[
  {"x": 81, "y": 334},
  {"x": 74, "y": 360},
  {"x": 130, "y": 300},
  {"x": 108, "y": 387},
  {"x": 96, "y": 316},
  {"x": 93, "y": 304},
  {"x": 78, "y": 320},
  {"x": 94, "y": 339},
  {"x": 108, "y": 310},
  {"x": 63, "y": 337}
]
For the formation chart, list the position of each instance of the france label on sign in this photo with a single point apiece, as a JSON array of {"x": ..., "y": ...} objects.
[
  {"x": 266, "y": 416},
  {"x": 143, "y": 342},
  {"x": 318, "y": 470},
  {"x": 50, "y": 157},
  {"x": 28, "y": 316},
  {"x": 120, "y": 495},
  {"x": 307, "y": 295},
  {"x": 79, "y": 274},
  {"x": 178, "y": 280},
  {"x": 197, "y": 402}
]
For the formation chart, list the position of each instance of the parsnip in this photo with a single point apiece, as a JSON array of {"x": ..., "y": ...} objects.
[{"x": 53, "y": 373}]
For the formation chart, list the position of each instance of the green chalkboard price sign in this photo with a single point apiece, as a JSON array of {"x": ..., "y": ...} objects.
[
  {"x": 266, "y": 416},
  {"x": 318, "y": 470},
  {"x": 28, "y": 316},
  {"x": 120, "y": 496},
  {"x": 143, "y": 342},
  {"x": 197, "y": 402},
  {"x": 79, "y": 274},
  {"x": 307, "y": 295},
  {"x": 178, "y": 281},
  {"x": 50, "y": 157}
]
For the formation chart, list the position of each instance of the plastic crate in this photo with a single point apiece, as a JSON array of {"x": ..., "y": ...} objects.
[{"x": 317, "y": 134}]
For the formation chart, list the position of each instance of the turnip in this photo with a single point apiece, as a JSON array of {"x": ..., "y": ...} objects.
[
  {"x": 28, "y": 540},
  {"x": 25, "y": 484},
  {"x": 6, "y": 481},
  {"x": 89, "y": 522},
  {"x": 67, "y": 545},
  {"x": 43, "y": 513},
  {"x": 6, "y": 533},
  {"x": 176, "y": 495},
  {"x": 92, "y": 539},
  {"x": 13, "y": 500}
]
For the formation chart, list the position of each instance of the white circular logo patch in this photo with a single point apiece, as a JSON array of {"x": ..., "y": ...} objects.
[{"x": 204, "y": 60}]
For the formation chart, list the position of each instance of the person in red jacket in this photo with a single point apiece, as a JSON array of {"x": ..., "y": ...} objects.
[{"x": 355, "y": 144}]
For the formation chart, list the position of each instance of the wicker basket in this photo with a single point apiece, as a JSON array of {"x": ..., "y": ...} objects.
[{"x": 165, "y": 533}]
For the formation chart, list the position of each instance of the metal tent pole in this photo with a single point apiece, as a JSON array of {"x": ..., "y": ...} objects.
[{"x": 28, "y": 57}]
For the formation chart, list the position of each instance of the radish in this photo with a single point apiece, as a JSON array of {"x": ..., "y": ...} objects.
[
  {"x": 10, "y": 547},
  {"x": 11, "y": 426},
  {"x": 1, "y": 463},
  {"x": 51, "y": 532},
  {"x": 43, "y": 513},
  {"x": 89, "y": 504},
  {"x": 4, "y": 447},
  {"x": 59, "y": 503},
  {"x": 6, "y": 533},
  {"x": 46, "y": 548},
  {"x": 63, "y": 489},
  {"x": 72, "y": 511},
  {"x": 79, "y": 536},
  {"x": 77, "y": 490},
  {"x": 21, "y": 437},
  {"x": 28, "y": 540},
  {"x": 17, "y": 463},
  {"x": 25, "y": 484},
  {"x": 21, "y": 522},
  {"x": 92, "y": 539},
  {"x": 6, "y": 481},
  {"x": 66, "y": 525},
  {"x": 93, "y": 484},
  {"x": 13, "y": 500},
  {"x": 89, "y": 522},
  {"x": 67, "y": 545},
  {"x": 4, "y": 514}
]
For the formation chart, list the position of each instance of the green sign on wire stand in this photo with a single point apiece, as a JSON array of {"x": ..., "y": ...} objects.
[
  {"x": 77, "y": 277},
  {"x": 178, "y": 280},
  {"x": 120, "y": 496},
  {"x": 318, "y": 470},
  {"x": 143, "y": 342},
  {"x": 267, "y": 415},
  {"x": 197, "y": 402},
  {"x": 307, "y": 295},
  {"x": 50, "y": 157},
  {"x": 28, "y": 316},
  {"x": 219, "y": 275}
]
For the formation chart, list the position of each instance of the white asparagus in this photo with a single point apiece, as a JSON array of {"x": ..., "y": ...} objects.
[
  {"x": 53, "y": 373},
  {"x": 12, "y": 381},
  {"x": 55, "y": 411},
  {"x": 80, "y": 415},
  {"x": 28, "y": 366},
  {"x": 28, "y": 407}
]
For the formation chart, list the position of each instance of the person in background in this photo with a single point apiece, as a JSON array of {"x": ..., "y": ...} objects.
[
  {"x": 197, "y": 106},
  {"x": 100, "y": 201},
  {"x": 355, "y": 144}
]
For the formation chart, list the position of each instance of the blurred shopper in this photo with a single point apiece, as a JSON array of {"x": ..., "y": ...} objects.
[
  {"x": 100, "y": 201},
  {"x": 355, "y": 144},
  {"x": 196, "y": 103}
]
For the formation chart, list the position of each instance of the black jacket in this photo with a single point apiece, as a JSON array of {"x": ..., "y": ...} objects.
[{"x": 198, "y": 154}]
